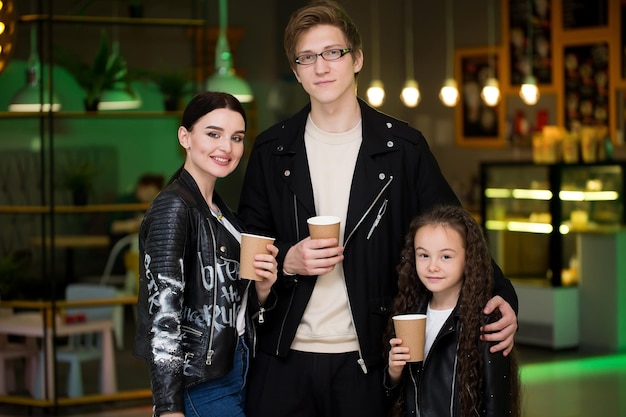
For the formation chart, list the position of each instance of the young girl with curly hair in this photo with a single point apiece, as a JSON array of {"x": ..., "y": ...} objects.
[{"x": 446, "y": 273}]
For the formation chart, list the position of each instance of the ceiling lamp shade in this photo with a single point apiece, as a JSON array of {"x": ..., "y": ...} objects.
[
  {"x": 7, "y": 32},
  {"x": 34, "y": 97},
  {"x": 225, "y": 79},
  {"x": 118, "y": 98},
  {"x": 120, "y": 95},
  {"x": 30, "y": 98}
]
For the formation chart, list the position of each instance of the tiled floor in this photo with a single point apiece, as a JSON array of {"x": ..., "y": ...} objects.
[{"x": 554, "y": 384}]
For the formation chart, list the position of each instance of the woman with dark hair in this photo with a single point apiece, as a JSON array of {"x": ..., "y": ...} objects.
[
  {"x": 195, "y": 314},
  {"x": 446, "y": 273}
]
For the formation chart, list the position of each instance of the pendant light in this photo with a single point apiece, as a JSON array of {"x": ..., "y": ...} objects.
[
  {"x": 376, "y": 91},
  {"x": 410, "y": 95},
  {"x": 449, "y": 94},
  {"x": 34, "y": 96},
  {"x": 120, "y": 95},
  {"x": 529, "y": 91},
  {"x": 491, "y": 91},
  {"x": 224, "y": 79}
]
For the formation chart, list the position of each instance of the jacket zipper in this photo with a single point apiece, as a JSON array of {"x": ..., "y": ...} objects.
[
  {"x": 414, "y": 380},
  {"x": 211, "y": 351},
  {"x": 368, "y": 211},
  {"x": 381, "y": 211},
  {"x": 379, "y": 216},
  {"x": 293, "y": 290}
]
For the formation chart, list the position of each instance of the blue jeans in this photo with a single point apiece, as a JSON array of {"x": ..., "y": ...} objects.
[{"x": 224, "y": 396}]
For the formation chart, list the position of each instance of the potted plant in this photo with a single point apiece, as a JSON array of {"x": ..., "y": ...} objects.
[
  {"x": 173, "y": 85},
  {"x": 108, "y": 71}
]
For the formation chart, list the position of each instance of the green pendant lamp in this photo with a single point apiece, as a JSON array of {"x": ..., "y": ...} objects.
[
  {"x": 224, "y": 79},
  {"x": 34, "y": 97}
]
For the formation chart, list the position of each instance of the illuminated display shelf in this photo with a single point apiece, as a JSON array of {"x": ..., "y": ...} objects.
[{"x": 533, "y": 213}]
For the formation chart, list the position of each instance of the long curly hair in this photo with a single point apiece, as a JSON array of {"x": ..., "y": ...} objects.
[{"x": 476, "y": 290}]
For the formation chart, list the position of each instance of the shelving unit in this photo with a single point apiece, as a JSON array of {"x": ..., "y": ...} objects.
[
  {"x": 36, "y": 213},
  {"x": 538, "y": 220}
]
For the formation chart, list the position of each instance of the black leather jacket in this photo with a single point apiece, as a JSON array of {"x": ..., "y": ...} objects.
[
  {"x": 186, "y": 327},
  {"x": 430, "y": 388},
  {"x": 396, "y": 177}
]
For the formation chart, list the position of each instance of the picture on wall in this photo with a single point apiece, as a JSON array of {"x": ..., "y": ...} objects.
[
  {"x": 586, "y": 79},
  {"x": 580, "y": 14},
  {"x": 477, "y": 123},
  {"x": 530, "y": 41}
]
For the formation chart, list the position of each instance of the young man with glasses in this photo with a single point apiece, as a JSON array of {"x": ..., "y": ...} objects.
[{"x": 320, "y": 349}]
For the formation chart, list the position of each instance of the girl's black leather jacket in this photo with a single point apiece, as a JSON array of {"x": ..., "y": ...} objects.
[
  {"x": 189, "y": 293},
  {"x": 430, "y": 388}
]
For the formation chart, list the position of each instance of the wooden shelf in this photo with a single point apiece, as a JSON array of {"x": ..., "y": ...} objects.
[
  {"x": 131, "y": 21},
  {"x": 92, "y": 208},
  {"x": 103, "y": 114}
]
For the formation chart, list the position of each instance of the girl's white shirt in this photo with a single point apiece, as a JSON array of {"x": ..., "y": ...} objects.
[{"x": 434, "y": 322}]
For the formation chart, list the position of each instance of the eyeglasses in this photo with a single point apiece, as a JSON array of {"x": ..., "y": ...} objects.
[{"x": 328, "y": 55}]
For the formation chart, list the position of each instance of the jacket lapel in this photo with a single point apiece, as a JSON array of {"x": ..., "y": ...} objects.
[
  {"x": 369, "y": 175},
  {"x": 294, "y": 167}
]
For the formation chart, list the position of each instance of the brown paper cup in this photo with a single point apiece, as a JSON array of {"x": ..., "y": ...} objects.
[
  {"x": 251, "y": 245},
  {"x": 411, "y": 328},
  {"x": 324, "y": 227}
]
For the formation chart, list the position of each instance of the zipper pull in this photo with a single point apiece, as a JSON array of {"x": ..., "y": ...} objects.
[
  {"x": 261, "y": 315},
  {"x": 361, "y": 363},
  {"x": 209, "y": 356},
  {"x": 379, "y": 216}
]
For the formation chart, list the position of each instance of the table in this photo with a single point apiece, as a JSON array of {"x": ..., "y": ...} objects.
[
  {"x": 69, "y": 243},
  {"x": 32, "y": 325}
]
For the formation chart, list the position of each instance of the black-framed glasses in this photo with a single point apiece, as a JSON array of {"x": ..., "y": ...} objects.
[{"x": 328, "y": 55}]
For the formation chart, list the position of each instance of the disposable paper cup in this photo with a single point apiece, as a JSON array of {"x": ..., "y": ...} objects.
[
  {"x": 324, "y": 227},
  {"x": 251, "y": 245},
  {"x": 411, "y": 328}
]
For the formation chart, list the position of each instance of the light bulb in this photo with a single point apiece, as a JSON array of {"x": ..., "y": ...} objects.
[
  {"x": 449, "y": 94},
  {"x": 491, "y": 92},
  {"x": 376, "y": 93},
  {"x": 529, "y": 91},
  {"x": 410, "y": 95}
]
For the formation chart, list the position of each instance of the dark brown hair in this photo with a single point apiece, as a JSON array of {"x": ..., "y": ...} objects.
[
  {"x": 476, "y": 290},
  {"x": 207, "y": 101},
  {"x": 319, "y": 13},
  {"x": 204, "y": 103}
]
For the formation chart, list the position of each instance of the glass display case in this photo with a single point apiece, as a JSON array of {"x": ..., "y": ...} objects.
[{"x": 532, "y": 214}]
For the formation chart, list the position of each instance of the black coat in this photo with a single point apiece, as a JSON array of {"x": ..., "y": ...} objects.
[
  {"x": 186, "y": 327},
  {"x": 396, "y": 177},
  {"x": 430, "y": 388}
]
